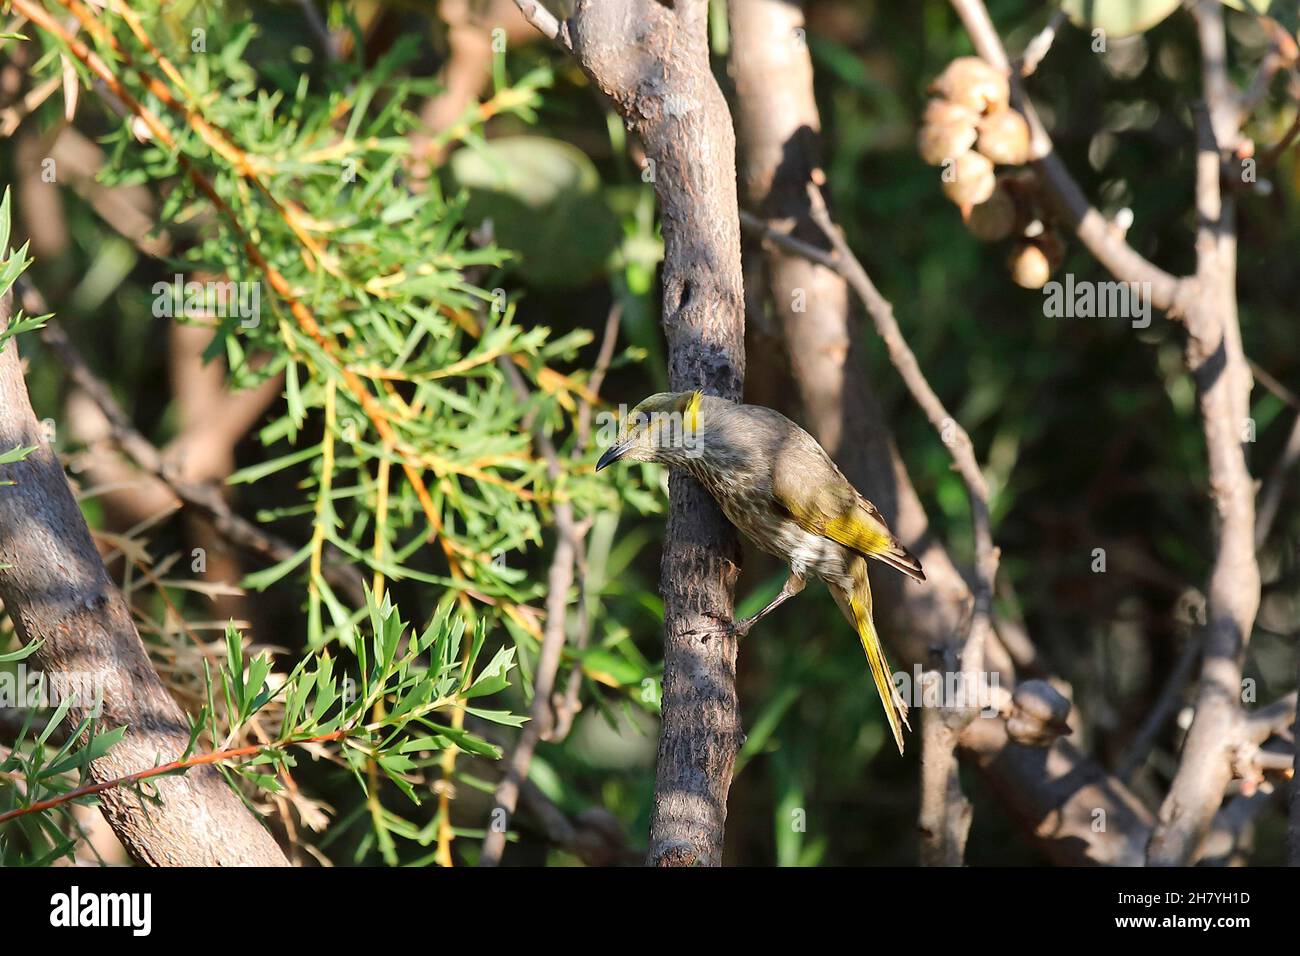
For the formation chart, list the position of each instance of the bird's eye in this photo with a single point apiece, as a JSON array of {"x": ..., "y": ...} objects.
[{"x": 638, "y": 421}]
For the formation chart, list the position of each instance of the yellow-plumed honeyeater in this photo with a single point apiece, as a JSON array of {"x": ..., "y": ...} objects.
[{"x": 780, "y": 488}]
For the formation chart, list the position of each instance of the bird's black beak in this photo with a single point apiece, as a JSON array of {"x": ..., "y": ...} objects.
[{"x": 612, "y": 454}]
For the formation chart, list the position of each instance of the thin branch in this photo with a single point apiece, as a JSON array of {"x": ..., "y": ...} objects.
[
  {"x": 595, "y": 836},
  {"x": 560, "y": 579},
  {"x": 1270, "y": 493},
  {"x": 1038, "y": 47},
  {"x": 1271, "y": 158},
  {"x": 1215, "y": 360},
  {"x": 569, "y": 554},
  {"x": 546, "y": 22},
  {"x": 968, "y": 652},
  {"x": 1105, "y": 242},
  {"x": 945, "y": 815},
  {"x": 184, "y": 763},
  {"x": 203, "y": 497},
  {"x": 1171, "y": 695},
  {"x": 1279, "y": 55},
  {"x": 567, "y": 706},
  {"x": 1272, "y": 720}
]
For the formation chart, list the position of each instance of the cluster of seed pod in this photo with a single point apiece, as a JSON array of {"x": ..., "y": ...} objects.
[{"x": 969, "y": 128}]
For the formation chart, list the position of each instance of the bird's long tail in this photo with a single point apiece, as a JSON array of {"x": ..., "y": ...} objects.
[{"x": 856, "y": 606}]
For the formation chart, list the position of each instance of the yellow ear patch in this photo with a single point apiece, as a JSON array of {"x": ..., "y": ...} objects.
[{"x": 692, "y": 412}]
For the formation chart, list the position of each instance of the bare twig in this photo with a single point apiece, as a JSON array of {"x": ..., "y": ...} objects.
[
  {"x": 1270, "y": 493},
  {"x": 1272, "y": 720},
  {"x": 566, "y": 707},
  {"x": 595, "y": 836},
  {"x": 1278, "y": 150},
  {"x": 1038, "y": 47},
  {"x": 942, "y": 814},
  {"x": 945, "y": 815},
  {"x": 549, "y": 714},
  {"x": 546, "y": 22},
  {"x": 559, "y": 583},
  {"x": 1279, "y": 55},
  {"x": 1166, "y": 704},
  {"x": 203, "y": 497}
]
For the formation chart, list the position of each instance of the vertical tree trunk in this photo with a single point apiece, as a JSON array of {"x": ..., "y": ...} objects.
[
  {"x": 651, "y": 58},
  {"x": 57, "y": 591}
]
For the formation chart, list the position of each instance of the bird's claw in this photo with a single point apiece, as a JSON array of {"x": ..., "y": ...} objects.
[
  {"x": 731, "y": 628},
  {"x": 740, "y": 628}
]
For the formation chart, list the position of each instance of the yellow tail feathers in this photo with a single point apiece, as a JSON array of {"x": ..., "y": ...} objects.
[{"x": 856, "y": 606}]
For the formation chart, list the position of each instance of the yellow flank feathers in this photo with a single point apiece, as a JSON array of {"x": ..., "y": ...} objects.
[{"x": 854, "y": 530}]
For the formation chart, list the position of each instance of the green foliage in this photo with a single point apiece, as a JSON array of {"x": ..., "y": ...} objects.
[
  {"x": 14, "y": 264},
  {"x": 391, "y": 712}
]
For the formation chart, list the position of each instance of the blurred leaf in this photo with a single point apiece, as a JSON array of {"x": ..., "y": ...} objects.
[
  {"x": 1118, "y": 18},
  {"x": 540, "y": 194}
]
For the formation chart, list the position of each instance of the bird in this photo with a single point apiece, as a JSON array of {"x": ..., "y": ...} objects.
[{"x": 782, "y": 491}]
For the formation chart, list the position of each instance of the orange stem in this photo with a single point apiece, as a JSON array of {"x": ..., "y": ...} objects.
[{"x": 215, "y": 756}]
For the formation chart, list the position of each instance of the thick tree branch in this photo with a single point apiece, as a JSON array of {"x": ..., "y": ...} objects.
[
  {"x": 57, "y": 591},
  {"x": 652, "y": 60}
]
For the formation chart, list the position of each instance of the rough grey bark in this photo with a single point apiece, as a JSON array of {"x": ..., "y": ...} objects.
[
  {"x": 1058, "y": 794},
  {"x": 57, "y": 591},
  {"x": 652, "y": 60}
]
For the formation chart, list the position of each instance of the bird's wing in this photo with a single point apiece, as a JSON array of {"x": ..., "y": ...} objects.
[{"x": 822, "y": 502}]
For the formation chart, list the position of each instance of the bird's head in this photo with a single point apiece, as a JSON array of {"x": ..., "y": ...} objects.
[{"x": 667, "y": 428}]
